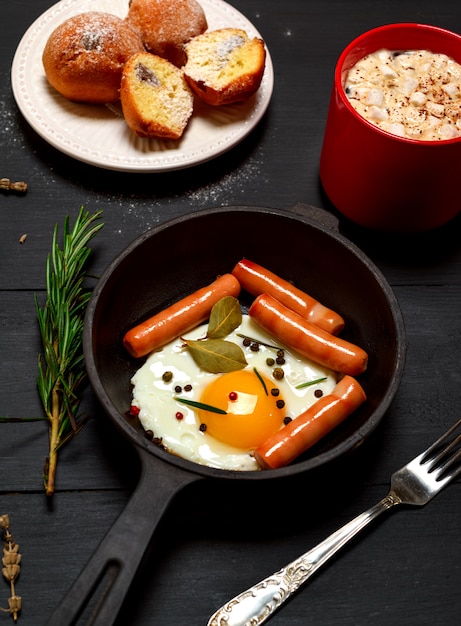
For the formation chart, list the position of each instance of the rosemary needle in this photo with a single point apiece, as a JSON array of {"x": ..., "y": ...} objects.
[{"x": 61, "y": 371}]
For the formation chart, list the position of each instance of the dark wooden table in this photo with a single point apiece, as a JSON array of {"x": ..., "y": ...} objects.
[{"x": 215, "y": 541}]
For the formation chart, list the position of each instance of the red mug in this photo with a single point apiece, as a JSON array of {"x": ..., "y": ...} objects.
[{"x": 380, "y": 180}]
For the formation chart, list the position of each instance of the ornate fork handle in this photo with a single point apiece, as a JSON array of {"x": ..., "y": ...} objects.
[{"x": 255, "y": 605}]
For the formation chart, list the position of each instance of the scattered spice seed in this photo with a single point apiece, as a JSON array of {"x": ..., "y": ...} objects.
[
  {"x": 318, "y": 393},
  {"x": 179, "y": 416},
  {"x": 178, "y": 389},
  {"x": 149, "y": 434},
  {"x": 280, "y": 404},
  {"x": 254, "y": 346},
  {"x": 287, "y": 420},
  {"x": 280, "y": 360},
  {"x": 9, "y": 186},
  {"x": 233, "y": 396},
  {"x": 11, "y": 568},
  {"x": 167, "y": 376},
  {"x": 275, "y": 392},
  {"x": 278, "y": 373},
  {"x": 188, "y": 388},
  {"x": 270, "y": 361},
  {"x": 202, "y": 428}
]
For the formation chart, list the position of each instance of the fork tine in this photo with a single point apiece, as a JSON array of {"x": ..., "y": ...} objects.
[
  {"x": 443, "y": 470},
  {"x": 441, "y": 459}
]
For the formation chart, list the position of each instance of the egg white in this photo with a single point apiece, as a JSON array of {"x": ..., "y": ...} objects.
[{"x": 157, "y": 406}]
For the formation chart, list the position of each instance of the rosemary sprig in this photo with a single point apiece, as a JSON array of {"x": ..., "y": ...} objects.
[
  {"x": 201, "y": 405},
  {"x": 261, "y": 343},
  {"x": 61, "y": 366},
  {"x": 309, "y": 383},
  {"x": 261, "y": 380}
]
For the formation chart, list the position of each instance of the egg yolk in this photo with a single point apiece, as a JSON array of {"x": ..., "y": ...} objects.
[{"x": 252, "y": 414}]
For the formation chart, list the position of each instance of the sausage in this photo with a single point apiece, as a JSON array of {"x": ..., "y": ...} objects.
[
  {"x": 307, "y": 338},
  {"x": 257, "y": 280},
  {"x": 179, "y": 318},
  {"x": 308, "y": 428}
]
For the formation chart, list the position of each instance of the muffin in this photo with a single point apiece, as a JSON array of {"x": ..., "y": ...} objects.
[
  {"x": 155, "y": 98},
  {"x": 166, "y": 25},
  {"x": 84, "y": 56},
  {"x": 224, "y": 66}
]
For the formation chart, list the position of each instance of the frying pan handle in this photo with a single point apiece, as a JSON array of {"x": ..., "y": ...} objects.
[
  {"x": 319, "y": 215},
  {"x": 98, "y": 593}
]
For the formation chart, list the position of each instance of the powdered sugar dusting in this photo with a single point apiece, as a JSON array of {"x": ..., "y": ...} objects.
[
  {"x": 8, "y": 131},
  {"x": 232, "y": 189},
  {"x": 93, "y": 31},
  {"x": 235, "y": 183},
  {"x": 174, "y": 22}
]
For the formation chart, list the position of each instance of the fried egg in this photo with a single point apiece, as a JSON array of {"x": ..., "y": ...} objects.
[{"x": 244, "y": 407}]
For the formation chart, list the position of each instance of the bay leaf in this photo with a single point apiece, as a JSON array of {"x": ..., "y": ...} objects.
[
  {"x": 225, "y": 317},
  {"x": 216, "y": 356}
]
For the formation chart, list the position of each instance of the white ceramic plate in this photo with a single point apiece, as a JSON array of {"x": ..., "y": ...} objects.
[{"x": 97, "y": 134}]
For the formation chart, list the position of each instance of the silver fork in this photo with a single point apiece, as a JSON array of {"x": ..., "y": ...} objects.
[{"x": 414, "y": 484}]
